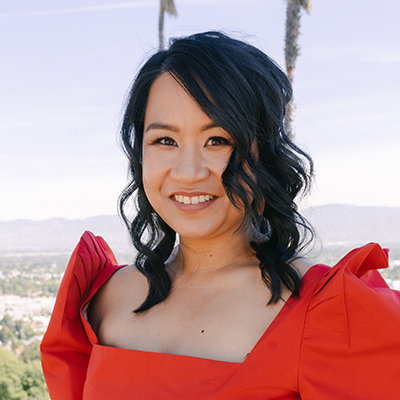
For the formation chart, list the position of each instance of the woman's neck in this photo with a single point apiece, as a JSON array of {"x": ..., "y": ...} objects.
[{"x": 206, "y": 256}]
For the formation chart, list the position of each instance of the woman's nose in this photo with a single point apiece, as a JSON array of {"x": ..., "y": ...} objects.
[{"x": 190, "y": 166}]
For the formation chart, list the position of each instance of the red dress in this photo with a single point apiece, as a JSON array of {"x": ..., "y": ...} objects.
[{"x": 339, "y": 340}]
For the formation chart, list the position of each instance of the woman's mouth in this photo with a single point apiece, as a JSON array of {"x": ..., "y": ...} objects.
[{"x": 193, "y": 199}]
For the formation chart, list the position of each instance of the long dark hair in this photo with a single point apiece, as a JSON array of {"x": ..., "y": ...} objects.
[{"x": 245, "y": 92}]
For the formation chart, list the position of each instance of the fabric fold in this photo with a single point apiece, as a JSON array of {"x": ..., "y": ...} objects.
[
  {"x": 65, "y": 347},
  {"x": 351, "y": 342}
]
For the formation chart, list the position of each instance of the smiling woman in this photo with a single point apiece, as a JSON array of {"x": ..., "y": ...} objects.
[
  {"x": 184, "y": 156},
  {"x": 232, "y": 311},
  {"x": 239, "y": 94}
]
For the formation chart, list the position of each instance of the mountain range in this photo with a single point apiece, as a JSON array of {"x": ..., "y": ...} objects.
[{"x": 335, "y": 225}]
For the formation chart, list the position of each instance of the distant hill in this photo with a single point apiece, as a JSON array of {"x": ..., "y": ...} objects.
[
  {"x": 338, "y": 223},
  {"x": 59, "y": 235},
  {"x": 341, "y": 226}
]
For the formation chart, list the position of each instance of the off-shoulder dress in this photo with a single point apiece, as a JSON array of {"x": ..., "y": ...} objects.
[{"x": 339, "y": 340}]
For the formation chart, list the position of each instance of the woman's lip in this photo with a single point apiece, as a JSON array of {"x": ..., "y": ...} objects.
[
  {"x": 193, "y": 207},
  {"x": 193, "y": 199},
  {"x": 191, "y": 194}
]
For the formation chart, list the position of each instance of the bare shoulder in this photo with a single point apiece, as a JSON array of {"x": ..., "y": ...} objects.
[
  {"x": 302, "y": 264},
  {"x": 126, "y": 287}
]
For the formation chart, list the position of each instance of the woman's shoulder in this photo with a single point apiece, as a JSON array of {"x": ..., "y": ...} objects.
[
  {"x": 126, "y": 287},
  {"x": 126, "y": 282}
]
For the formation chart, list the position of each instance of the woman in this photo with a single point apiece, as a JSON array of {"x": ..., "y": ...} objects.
[{"x": 234, "y": 311}]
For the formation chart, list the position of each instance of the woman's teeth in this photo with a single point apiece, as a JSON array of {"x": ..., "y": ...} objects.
[{"x": 194, "y": 199}]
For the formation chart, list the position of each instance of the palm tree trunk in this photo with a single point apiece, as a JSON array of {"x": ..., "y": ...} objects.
[
  {"x": 161, "y": 45},
  {"x": 169, "y": 7},
  {"x": 292, "y": 49}
]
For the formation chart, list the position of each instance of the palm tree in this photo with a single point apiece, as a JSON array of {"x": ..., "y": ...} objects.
[
  {"x": 169, "y": 7},
  {"x": 291, "y": 48}
]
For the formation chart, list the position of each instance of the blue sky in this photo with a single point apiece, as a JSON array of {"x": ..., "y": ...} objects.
[{"x": 67, "y": 65}]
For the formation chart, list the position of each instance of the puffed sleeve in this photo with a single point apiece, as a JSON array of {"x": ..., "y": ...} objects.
[
  {"x": 65, "y": 349},
  {"x": 351, "y": 341}
]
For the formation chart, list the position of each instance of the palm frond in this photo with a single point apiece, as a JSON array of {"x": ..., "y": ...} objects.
[
  {"x": 169, "y": 7},
  {"x": 166, "y": 6},
  {"x": 307, "y": 5}
]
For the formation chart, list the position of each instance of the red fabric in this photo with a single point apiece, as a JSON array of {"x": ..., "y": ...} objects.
[
  {"x": 65, "y": 348},
  {"x": 340, "y": 340}
]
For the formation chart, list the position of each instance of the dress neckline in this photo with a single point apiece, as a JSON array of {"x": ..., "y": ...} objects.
[{"x": 282, "y": 314}]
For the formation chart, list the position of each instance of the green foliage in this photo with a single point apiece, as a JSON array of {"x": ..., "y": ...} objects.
[
  {"x": 23, "y": 330},
  {"x": 6, "y": 335},
  {"x": 11, "y": 372},
  {"x": 19, "y": 380},
  {"x": 23, "y": 286},
  {"x": 32, "y": 275},
  {"x": 34, "y": 264},
  {"x": 14, "y": 330},
  {"x": 33, "y": 382},
  {"x": 31, "y": 352}
]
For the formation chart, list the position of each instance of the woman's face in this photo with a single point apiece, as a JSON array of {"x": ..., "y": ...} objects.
[{"x": 184, "y": 156}]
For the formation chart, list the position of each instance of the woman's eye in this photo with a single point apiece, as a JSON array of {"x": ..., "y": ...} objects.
[
  {"x": 218, "y": 140},
  {"x": 166, "y": 141}
]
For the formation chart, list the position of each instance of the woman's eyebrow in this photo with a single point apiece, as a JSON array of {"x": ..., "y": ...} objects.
[
  {"x": 158, "y": 125},
  {"x": 209, "y": 126},
  {"x": 172, "y": 128}
]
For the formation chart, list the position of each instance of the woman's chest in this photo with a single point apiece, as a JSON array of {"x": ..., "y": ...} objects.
[{"x": 207, "y": 324}]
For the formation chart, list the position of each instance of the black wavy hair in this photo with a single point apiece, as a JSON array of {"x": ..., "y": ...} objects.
[{"x": 244, "y": 92}]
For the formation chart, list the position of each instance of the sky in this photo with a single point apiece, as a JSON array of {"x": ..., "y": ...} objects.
[{"x": 66, "y": 67}]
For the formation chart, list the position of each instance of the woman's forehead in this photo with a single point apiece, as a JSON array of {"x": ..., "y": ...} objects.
[{"x": 170, "y": 104}]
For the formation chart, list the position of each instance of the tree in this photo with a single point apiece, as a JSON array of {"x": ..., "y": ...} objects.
[
  {"x": 11, "y": 371},
  {"x": 292, "y": 49},
  {"x": 32, "y": 381},
  {"x": 7, "y": 329},
  {"x": 10, "y": 330},
  {"x": 19, "y": 380},
  {"x": 30, "y": 353},
  {"x": 169, "y": 7},
  {"x": 6, "y": 335}
]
